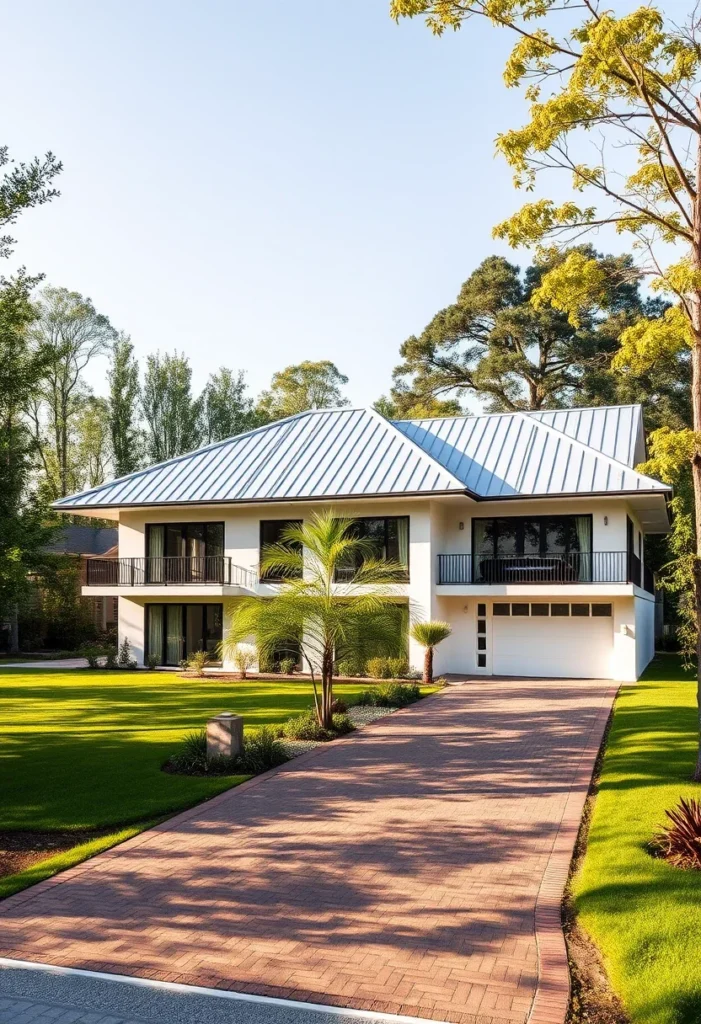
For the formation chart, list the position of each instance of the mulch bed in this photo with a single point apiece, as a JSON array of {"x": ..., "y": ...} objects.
[
  {"x": 19, "y": 850},
  {"x": 592, "y": 999}
]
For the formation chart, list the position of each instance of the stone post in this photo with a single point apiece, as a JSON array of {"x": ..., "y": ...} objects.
[{"x": 224, "y": 735}]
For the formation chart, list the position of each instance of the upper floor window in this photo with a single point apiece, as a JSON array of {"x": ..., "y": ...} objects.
[
  {"x": 185, "y": 552},
  {"x": 388, "y": 539},
  {"x": 526, "y": 548},
  {"x": 272, "y": 532}
]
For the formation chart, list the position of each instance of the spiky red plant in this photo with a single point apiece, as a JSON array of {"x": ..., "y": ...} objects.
[{"x": 679, "y": 842}]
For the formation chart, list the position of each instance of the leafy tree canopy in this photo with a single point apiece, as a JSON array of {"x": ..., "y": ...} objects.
[
  {"x": 23, "y": 186},
  {"x": 171, "y": 413},
  {"x": 308, "y": 385},
  {"x": 501, "y": 342},
  {"x": 227, "y": 410}
]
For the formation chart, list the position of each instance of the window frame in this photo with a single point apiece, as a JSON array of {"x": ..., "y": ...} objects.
[
  {"x": 368, "y": 519},
  {"x": 183, "y": 605},
  {"x": 268, "y": 578},
  {"x": 519, "y": 521}
]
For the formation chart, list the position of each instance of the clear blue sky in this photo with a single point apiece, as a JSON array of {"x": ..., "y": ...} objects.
[{"x": 257, "y": 183}]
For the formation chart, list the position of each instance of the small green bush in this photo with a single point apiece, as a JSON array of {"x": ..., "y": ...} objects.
[
  {"x": 304, "y": 727},
  {"x": 124, "y": 658},
  {"x": 287, "y": 666},
  {"x": 350, "y": 668},
  {"x": 378, "y": 668},
  {"x": 152, "y": 661},
  {"x": 261, "y": 752},
  {"x": 398, "y": 667},
  {"x": 391, "y": 695},
  {"x": 339, "y": 707},
  {"x": 341, "y": 724},
  {"x": 198, "y": 662}
]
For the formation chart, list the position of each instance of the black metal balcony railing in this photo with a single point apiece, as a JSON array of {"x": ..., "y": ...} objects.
[
  {"x": 575, "y": 567},
  {"x": 167, "y": 571}
]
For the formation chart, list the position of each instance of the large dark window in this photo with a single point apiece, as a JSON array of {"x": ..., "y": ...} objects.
[
  {"x": 176, "y": 631},
  {"x": 185, "y": 553},
  {"x": 388, "y": 539},
  {"x": 271, "y": 532},
  {"x": 529, "y": 548}
]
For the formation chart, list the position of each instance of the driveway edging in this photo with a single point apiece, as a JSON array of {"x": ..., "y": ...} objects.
[{"x": 552, "y": 994}]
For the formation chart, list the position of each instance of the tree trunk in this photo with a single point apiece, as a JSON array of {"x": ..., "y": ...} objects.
[
  {"x": 696, "y": 416},
  {"x": 326, "y": 690},
  {"x": 14, "y": 631},
  {"x": 428, "y": 666}
]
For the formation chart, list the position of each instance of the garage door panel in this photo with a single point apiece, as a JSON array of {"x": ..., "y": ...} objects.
[{"x": 567, "y": 647}]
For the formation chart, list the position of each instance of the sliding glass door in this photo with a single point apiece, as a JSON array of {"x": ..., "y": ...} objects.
[
  {"x": 175, "y": 632},
  {"x": 185, "y": 553}
]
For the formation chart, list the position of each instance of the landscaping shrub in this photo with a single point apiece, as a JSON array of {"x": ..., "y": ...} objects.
[
  {"x": 378, "y": 668},
  {"x": 124, "y": 658},
  {"x": 391, "y": 695},
  {"x": 111, "y": 658},
  {"x": 349, "y": 668},
  {"x": 680, "y": 841},
  {"x": 338, "y": 707},
  {"x": 398, "y": 667},
  {"x": 198, "y": 662},
  {"x": 287, "y": 666},
  {"x": 152, "y": 661},
  {"x": 341, "y": 724},
  {"x": 261, "y": 751},
  {"x": 244, "y": 658},
  {"x": 304, "y": 727}
]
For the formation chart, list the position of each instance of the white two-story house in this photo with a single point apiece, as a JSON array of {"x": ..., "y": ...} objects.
[{"x": 525, "y": 531}]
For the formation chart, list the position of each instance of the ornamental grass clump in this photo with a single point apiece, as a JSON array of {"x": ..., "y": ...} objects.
[
  {"x": 679, "y": 842},
  {"x": 262, "y": 751}
]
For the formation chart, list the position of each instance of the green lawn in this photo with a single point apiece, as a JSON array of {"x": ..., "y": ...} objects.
[
  {"x": 84, "y": 749},
  {"x": 644, "y": 915}
]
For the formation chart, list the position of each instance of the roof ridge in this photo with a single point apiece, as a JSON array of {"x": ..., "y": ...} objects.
[{"x": 419, "y": 448}]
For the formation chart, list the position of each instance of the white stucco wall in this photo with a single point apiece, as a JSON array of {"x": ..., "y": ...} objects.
[{"x": 434, "y": 529}]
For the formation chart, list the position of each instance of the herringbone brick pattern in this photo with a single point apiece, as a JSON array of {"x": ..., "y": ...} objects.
[{"x": 396, "y": 870}]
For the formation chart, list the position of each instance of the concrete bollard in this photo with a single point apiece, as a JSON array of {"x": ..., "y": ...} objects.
[{"x": 224, "y": 735}]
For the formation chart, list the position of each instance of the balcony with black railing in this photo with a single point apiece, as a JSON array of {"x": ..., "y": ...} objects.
[
  {"x": 168, "y": 571},
  {"x": 573, "y": 567}
]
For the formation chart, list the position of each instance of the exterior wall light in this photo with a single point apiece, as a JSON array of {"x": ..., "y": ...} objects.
[{"x": 461, "y": 526}]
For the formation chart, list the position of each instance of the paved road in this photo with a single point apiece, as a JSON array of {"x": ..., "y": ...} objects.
[
  {"x": 397, "y": 870},
  {"x": 41, "y": 997}
]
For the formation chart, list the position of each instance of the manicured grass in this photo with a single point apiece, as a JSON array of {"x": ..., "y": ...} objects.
[
  {"x": 643, "y": 914},
  {"x": 83, "y": 749}
]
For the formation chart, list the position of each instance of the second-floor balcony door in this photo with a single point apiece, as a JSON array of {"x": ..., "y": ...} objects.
[{"x": 185, "y": 553}]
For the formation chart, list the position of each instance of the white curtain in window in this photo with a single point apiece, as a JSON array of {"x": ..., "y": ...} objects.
[
  {"x": 155, "y": 631},
  {"x": 583, "y": 527},
  {"x": 156, "y": 551},
  {"x": 403, "y": 541}
]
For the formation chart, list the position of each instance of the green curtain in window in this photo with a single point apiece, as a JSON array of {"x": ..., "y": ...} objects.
[
  {"x": 583, "y": 527},
  {"x": 403, "y": 541},
  {"x": 174, "y": 639}
]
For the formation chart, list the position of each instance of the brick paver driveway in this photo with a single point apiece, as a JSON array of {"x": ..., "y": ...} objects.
[{"x": 397, "y": 870}]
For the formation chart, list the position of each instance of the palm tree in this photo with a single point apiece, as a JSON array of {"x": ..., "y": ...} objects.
[
  {"x": 429, "y": 635},
  {"x": 312, "y": 612}
]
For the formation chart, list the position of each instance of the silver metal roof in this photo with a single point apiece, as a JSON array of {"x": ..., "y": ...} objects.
[
  {"x": 615, "y": 430},
  {"x": 335, "y": 453},
  {"x": 521, "y": 454},
  {"x": 327, "y": 453}
]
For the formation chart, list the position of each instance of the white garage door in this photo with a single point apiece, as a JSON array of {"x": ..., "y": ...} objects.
[{"x": 566, "y": 646}]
